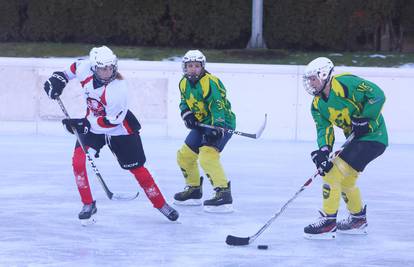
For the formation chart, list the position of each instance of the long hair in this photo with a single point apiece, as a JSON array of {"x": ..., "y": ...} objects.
[{"x": 119, "y": 76}]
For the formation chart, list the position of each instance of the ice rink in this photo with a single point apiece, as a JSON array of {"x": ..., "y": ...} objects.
[{"x": 40, "y": 203}]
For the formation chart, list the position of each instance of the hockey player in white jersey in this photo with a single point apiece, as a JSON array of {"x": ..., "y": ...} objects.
[{"x": 107, "y": 121}]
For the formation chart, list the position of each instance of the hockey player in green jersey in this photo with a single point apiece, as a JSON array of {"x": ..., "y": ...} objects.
[
  {"x": 203, "y": 100},
  {"x": 354, "y": 105}
]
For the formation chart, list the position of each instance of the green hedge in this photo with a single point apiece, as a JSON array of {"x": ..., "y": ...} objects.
[
  {"x": 10, "y": 20},
  {"x": 214, "y": 23},
  {"x": 118, "y": 22},
  {"x": 301, "y": 24},
  {"x": 328, "y": 24}
]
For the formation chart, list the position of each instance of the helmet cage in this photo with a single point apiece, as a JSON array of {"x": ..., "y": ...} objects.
[
  {"x": 321, "y": 69},
  {"x": 193, "y": 56},
  {"x": 101, "y": 57}
]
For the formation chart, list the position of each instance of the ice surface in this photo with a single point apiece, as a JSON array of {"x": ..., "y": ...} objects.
[{"x": 40, "y": 203}]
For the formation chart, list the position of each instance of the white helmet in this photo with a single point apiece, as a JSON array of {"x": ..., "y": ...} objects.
[
  {"x": 321, "y": 68},
  {"x": 101, "y": 57},
  {"x": 193, "y": 56}
]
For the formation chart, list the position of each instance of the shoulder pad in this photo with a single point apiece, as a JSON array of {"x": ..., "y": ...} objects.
[
  {"x": 205, "y": 84},
  {"x": 315, "y": 102},
  {"x": 340, "y": 89},
  {"x": 182, "y": 84}
]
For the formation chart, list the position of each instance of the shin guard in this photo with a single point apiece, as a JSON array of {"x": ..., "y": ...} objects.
[
  {"x": 350, "y": 192},
  {"x": 210, "y": 162},
  {"x": 331, "y": 191},
  {"x": 187, "y": 160},
  {"x": 151, "y": 189},
  {"x": 81, "y": 176}
]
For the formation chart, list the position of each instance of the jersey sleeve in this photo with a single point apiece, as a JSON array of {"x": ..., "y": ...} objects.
[
  {"x": 324, "y": 128},
  {"x": 370, "y": 98},
  {"x": 183, "y": 103},
  {"x": 73, "y": 70}
]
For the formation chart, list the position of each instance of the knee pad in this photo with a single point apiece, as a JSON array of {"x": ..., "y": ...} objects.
[
  {"x": 350, "y": 175},
  {"x": 333, "y": 177},
  {"x": 208, "y": 155},
  {"x": 342, "y": 173},
  {"x": 209, "y": 159},
  {"x": 187, "y": 161},
  {"x": 186, "y": 157},
  {"x": 344, "y": 167}
]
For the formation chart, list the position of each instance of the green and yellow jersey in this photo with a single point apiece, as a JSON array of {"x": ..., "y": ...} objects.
[
  {"x": 350, "y": 96},
  {"x": 207, "y": 100}
]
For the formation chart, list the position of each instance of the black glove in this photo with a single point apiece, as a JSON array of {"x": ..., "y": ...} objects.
[
  {"x": 189, "y": 118},
  {"x": 81, "y": 125},
  {"x": 212, "y": 135},
  {"x": 360, "y": 126},
  {"x": 55, "y": 84},
  {"x": 321, "y": 159},
  {"x": 132, "y": 122}
]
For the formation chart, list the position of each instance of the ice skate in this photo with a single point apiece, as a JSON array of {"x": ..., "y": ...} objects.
[
  {"x": 87, "y": 214},
  {"x": 324, "y": 228},
  {"x": 191, "y": 196},
  {"x": 355, "y": 224},
  {"x": 169, "y": 212},
  {"x": 222, "y": 202}
]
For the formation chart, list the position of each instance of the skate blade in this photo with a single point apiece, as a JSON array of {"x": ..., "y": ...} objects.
[
  {"x": 87, "y": 222},
  {"x": 355, "y": 231},
  {"x": 324, "y": 236},
  {"x": 189, "y": 202},
  {"x": 228, "y": 208}
]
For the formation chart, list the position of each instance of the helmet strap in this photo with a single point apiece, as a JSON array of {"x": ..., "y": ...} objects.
[
  {"x": 328, "y": 79},
  {"x": 195, "y": 78}
]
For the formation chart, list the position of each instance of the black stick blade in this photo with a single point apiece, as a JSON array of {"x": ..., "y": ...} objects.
[{"x": 237, "y": 241}]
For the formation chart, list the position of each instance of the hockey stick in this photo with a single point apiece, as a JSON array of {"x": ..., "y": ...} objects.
[
  {"x": 108, "y": 192},
  {"x": 242, "y": 241},
  {"x": 250, "y": 135}
]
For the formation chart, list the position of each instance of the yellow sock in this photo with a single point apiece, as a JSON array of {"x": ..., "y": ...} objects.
[
  {"x": 331, "y": 191},
  {"x": 210, "y": 162},
  {"x": 187, "y": 160},
  {"x": 350, "y": 192}
]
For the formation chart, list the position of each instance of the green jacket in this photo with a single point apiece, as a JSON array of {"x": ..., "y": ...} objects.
[
  {"x": 207, "y": 100},
  {"x": 350, "y": 96}
]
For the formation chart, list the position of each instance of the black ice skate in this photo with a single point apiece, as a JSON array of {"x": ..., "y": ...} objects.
[
  {"x": 191, "y": 196},
  {"x": 169, "y": 212},
  {"x": 355, "y": 224},
  {"x": 222, "y": 202},
  {"x": 324, "y": 228},
  {"x": 86, "y": 216}
]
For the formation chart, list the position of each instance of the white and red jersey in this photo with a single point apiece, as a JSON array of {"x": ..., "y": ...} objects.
[{"x": 107, "y": 105}]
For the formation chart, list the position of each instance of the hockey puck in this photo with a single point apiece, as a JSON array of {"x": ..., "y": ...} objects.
[{"x": 262, "y": 247}]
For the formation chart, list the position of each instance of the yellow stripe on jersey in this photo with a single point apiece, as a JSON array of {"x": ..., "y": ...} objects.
[
  {"x": 315, "y": 102},
  {"x": 337, "y": 88},
  {"x": 215, "y": 79},
  {"x": 183, "y": 84},
  {"x": 205, "y": 85},
  {"x": 329, "y": 136}
]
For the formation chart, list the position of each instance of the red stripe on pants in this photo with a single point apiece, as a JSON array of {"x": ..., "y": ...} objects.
[
  {"x": 81, "y": 177},
  {"x": 147, "y": 183}
]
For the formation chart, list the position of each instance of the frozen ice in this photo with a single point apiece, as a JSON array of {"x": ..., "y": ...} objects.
[{"x": 40, "y": 203}]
